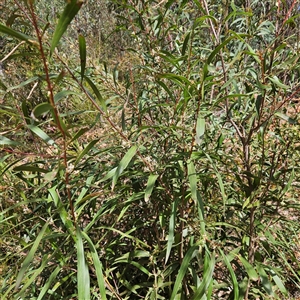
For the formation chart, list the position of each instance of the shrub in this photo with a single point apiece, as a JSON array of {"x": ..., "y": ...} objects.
[{"x": 170, "y": 174}]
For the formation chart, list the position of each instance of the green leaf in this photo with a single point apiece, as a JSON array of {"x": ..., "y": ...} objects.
[
  {"x": 35, "y": 78},
  {"x": 30, "y": 256},
  {"x": 8, "y": 166},
  {"x": 258, "y": 103},
  {"x": 150, "y": 185},
  {"x": 61, "y": 124},
  {"x": 123, "y": 164},
  {"x": 33, "y": 277},
  {"x": 123, "y": 120},
  {"x": 185, "y": 44},
  {"x": 47, "y": 285},
  {"x": 10, "y": 21},
  {"x": 30, "y": 169},
  {"x": 64, "y": 216},
  {"x": 164, "y": 86},
  {"x": 209, "y": 265},
  {"x": 97, "y": 265},
  {"x": 83, "y": 276},
  {"x": 70, "y": 11},
  {"x": 83, "y": 192},
  {"x": 196, "y": 195},
  {"x": 63, "y": 94},
  {"x": 128, "y": 258},
  {"x": 265, "y": 280},
  {"x": 79, "y": 133},
  {"x": 220, "y": 180},
  {"x": 200, "y": 20},
  {"x": 6, "y": 141},
  {"x": 171, "y": 232},
  {"x": 286, "y": 118},
  {"x": 213, "y": 54},
  {"x": 168, "y": 4},
  {"x": 289, "y": 183},
  {"x": 50, "y": 176},
  {"x": 181, "y": 273},
  {"x": 82, "y": 52},
  {"x": 126, "y": 235},
  {"x": 43, "y": 135},
  {"x": 21, "y": 36},
  {"x": 243, "y": 285},
  {"x": 3, "y": 86},
  {"x": 85, "y": 151},
  {"x": 178, "y": 79},
  {"x": 41, "y": 109},
  {"x": 277, "y": 82},
  {"x": 200, "y": 129},
  {"x": 97, "y": 93},
  {"x": 249, "y": 269},
  {"x": 110, "y": 174},
  {"x": 26, "y": 112},
  {"x": 232, "y": 274},
  {"x": 278, "y": 282}
]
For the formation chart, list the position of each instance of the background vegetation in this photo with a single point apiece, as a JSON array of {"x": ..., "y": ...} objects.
[{"x": 149, "y": 149}]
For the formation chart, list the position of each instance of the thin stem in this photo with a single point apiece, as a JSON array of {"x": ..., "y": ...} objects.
[{"x": 52, "y": 102}]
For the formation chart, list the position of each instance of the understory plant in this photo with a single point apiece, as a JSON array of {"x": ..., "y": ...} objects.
[{"x": 167, "y": 167}]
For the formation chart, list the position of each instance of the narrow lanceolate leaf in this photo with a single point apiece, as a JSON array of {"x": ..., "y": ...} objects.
[
  {"x": 192, "y": 180},
  {"x": 200, "y": 129},
  {"x": 235, "y": 284},
  {"x": 65, "y": 19},
  {"x": 277, "y": 82},
  {"x": 83, "y": 193},
  {"x": 220, "y": 180},
  {"x": 185, "y": 44},
  {"x": 196, "y": 195},
  {"x": 25, "y": 111},
  {"x": 181, "y": 273},
  {"x": 29, "y": 168},
  {"x": 171, "y": 233},
  {"x": 286, "y": 118},
  {"x": 63, "y": 94},
  {"x": 150, "y": 185},
  {"x": 123, "y": 164},
  {"x": 249, "y": 269},
  {"x": 83, "y": 276},
  {"x": 166, "y": 88},
  {"x": 34, "y": 275},
  {"x": 82, "y": 52},
  {"x": 278, "y": 282},
  {"x": 288, "y": 185},
  {"x": 213, "y": 54},
  {"x": 6, "y": 141},
  {"x": 30, "y": 256},
  {"x": 97, "y": 93},
  {"x": 47, "y": 285},
  {"x": 209, "y": 266},
  {"x": 12, "y": 33},
  {"x": 266, "y": 284},
  {"x": 79, "y": 133},
  {"x": 3, "y": 86},
  {"x": 23, "y": 83},
  {"x": 64, "y": 216},
  {"x": 43, "y": 135},
  {"x": 97, "y": 265},
  {"x": 85, "y": 151},
  {"x": 41, "y": 109}
]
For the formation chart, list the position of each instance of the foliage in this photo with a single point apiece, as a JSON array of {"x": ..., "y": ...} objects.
[{"x": 168, "y": 168}]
